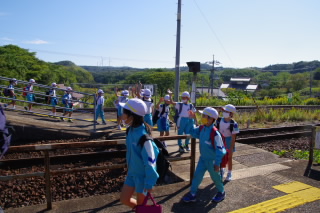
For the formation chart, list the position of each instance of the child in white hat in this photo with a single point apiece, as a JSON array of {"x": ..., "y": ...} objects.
[
  {"x": 141, "y": 159},
  {"x": 12, "y": 82},
  {"x": 211, "y": 154},
  {"x": 52, "y": 99},
  {"x": 68, "y": 104},
  {"x": 123, "y": 98},
  {"x": 184, "y": 121},
  {"x": 30, "y": 96},
  {"x": 163, "y": 121},
  {"x": 99, "y": 107},
  {"x": 229, "y": 128},
  {"x": 149, "y": 103}
]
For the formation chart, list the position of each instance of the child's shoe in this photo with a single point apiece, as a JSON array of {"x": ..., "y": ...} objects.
[
  {"x": 187, "y": 148},
  {"x": 105, "y": 123},
  {"x": 229, "y": 176},
  {"x": 119, "y": 127},
  {"x": 70, "y": 121},
  {"x": 189, "y": 198},
  {"x": 220, "y": 196},
  {"x": 26, "y": 108},
  {"x": 62, "y": 119},
  {"x": 181, "y": 149}
]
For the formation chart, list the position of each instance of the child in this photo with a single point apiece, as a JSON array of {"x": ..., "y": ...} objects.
[
  {"x": 121, "y": 99},
  {"x": 149, "y": 102},
  {"x": 141, "y": 159},
  {"x": 210, "y": 155},
  {"x": 229, "y": 128},
  {"x": 99, "y": 107},
  {"x": 52, "y": 99},
  {"x": 67, "y": 100},
  {"x": 12, "y": 95},
  {"x": 30, "y": 95},
  {"x": 184, "y": 121},
  {"x": 163, "y": 121}
]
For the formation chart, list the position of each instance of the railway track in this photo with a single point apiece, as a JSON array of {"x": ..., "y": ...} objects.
[{"x": 250, "y": 136}]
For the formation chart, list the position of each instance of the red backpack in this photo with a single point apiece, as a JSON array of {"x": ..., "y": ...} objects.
[{"x": 225, "y": 158}]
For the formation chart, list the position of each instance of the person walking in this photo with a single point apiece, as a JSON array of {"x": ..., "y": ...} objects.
[
  {"x": 141, "y": 158},
  {"x": 99, "y": 107}
]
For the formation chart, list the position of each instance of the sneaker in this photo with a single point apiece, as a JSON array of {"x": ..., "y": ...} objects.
[
  {"x": 97, "y": 123},
  {"x": 26, "y": 108},
  {"x": 62, "y": 119},
  {"x": 70, "y": 121},
  {"x": 119, "y": 127},
  {"x": 189, "y": 198},
  {"x": 219, "y": 197},
  {"x": 181, "y": 149},
  {"x": 229, "y": 176},
  {"x": 187, "y": 148},
  {"x": 222, "y": 172},
  {"x": 105, "y": 123},
  {"x": 14, "y": 107}
]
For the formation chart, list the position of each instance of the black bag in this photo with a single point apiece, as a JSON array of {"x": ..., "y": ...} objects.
[
  {"x": 6, "y": 92},
  {"x": 162, "y": 163},
  {"x": 156, "y": 115}
]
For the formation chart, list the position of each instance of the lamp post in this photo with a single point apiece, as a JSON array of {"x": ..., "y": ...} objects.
[{"x": 194, "y": 67}]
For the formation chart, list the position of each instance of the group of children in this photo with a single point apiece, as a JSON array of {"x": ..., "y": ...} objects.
[{"x": 136, "y": 114}]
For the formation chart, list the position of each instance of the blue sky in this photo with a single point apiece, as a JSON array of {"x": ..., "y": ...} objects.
[{"x": 141, "y": 33}]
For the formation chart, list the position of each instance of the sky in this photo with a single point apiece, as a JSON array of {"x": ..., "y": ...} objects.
[{"x": 142, "y": 33}]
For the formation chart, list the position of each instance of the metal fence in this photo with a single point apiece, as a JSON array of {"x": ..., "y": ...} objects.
[{"x": 41, "y": 96}]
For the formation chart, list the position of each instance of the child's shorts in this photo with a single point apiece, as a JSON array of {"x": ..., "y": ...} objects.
[
  {"x": 120, "y": 111},
  {"x": 137, "y": 182},
  {"x": 69, "y": 107},
  {"x": 228, "y": 142},
  {"x": 54, "y": 101},
  {"x": 30, "y": 97},
  {"x": 163, "y": 124}
]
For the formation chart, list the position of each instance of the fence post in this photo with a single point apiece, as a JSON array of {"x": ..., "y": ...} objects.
[
  {"x": 47, "y": 179},
  {"x": 193, "y": 158}
]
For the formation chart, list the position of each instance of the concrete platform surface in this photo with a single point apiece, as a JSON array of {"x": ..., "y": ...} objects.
[{"x": 241, "y": 193}]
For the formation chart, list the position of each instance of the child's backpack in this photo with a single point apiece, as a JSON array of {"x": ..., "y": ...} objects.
[
  {"x": 157, "y": 114},
  {"x": 6, "y": 92},
  {"x": 231, "y": 124},
  {"x": 162, "y": 163},
  {"x": 177, "y": 112},
  {"x": 5, "y": 135},
  {"x": 24, "y": 93},
  {"x": 46, "y": 98},
  {"x": 225, "y": 158}
]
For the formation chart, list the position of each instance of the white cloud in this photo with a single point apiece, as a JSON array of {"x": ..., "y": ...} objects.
[
  {"x": 37, "y": 41},
  {"x": 6, "y": 39}
]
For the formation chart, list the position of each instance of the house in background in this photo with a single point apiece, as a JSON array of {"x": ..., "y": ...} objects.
[
  {"x": 240, "y": 84},
  {"x": 216, "y": 92}
]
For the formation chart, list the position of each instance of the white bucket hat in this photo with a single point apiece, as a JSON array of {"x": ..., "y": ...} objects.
[
  {"x": 54, "y": 84},
  {"x": 135, "y": 105},
  {"x": 167, "y": 98},
  {"x": 125, "y": 93},
  {"x": 69, "y": 88},
  {"x": 100, "y": 91},
  {"x": 185, "y": 94},
  {"x": 211, "y": 112},
  {"x": 229, "y": 108},
  {"x": 32, "y": 81},
  {"x": 147, "y": 93}
]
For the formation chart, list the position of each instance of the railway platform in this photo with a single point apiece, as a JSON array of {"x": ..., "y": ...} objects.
[{"x": 262, "y": 182}]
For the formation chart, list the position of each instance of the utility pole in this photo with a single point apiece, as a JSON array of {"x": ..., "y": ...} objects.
[
  {"x": 211, "y": 77},
  {"x": 177, "y": 65},
  {"x": 310, "y": 84}
]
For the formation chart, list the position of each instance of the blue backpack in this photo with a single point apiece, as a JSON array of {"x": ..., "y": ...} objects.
[{"x": 5, "y": 134}]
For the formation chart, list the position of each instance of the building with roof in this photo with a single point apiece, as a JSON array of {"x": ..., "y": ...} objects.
[
  {"x": 215, "y": 92},
  {"x": 240, "y": 84}
]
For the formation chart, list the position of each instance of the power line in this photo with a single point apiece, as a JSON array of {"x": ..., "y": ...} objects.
[{"x": 211, "y": 28}]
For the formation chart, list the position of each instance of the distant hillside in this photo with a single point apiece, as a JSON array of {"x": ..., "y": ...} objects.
[{"x": 298, "y": 67}]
